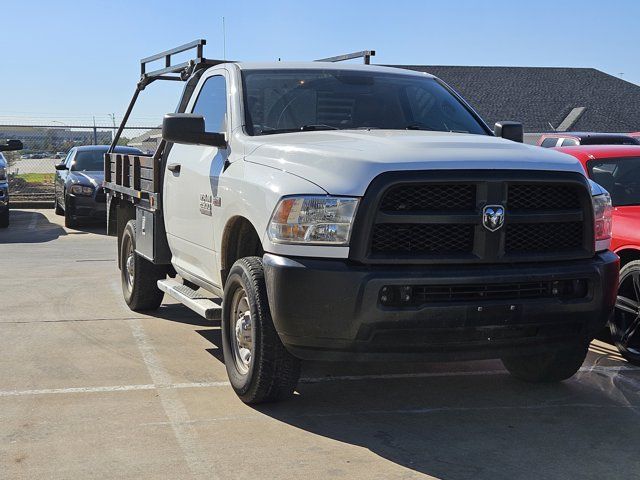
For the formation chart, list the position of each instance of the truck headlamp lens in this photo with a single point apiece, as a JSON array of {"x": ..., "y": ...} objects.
[
  {"x": 313, "y": 220},
  {"x": 3, "y": 173},
  {"x": 603, "y": 211},
  {"x": 81, "y": 190}
]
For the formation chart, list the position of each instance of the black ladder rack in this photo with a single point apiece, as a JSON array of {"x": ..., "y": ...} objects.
[
  {"x": 365, "y": 54},
  {"x": 179, "y": 72}
]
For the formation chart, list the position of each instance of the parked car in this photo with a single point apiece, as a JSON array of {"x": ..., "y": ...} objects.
[
  {"x": 78, "y": 183},
  {"x": 571, "y": 139},
  {"x": 10, "y": 145},
  {"x": 617, "y": 169},
  {"x": 359, "y": 212}
]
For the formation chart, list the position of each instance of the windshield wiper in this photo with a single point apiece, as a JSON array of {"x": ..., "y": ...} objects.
[
  {"x": 303, "y": 128},
  {"x": 317, "y": 126},
  {"x": 419, "y": 126}
]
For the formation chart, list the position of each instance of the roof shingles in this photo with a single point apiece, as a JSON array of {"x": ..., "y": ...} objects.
[{"x": 542, "y": 97}]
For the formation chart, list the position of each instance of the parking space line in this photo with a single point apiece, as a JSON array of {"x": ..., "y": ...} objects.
[
  {"x": 62, "y": 320},
  {"x": 408, "y": 411},
  {"x": 173, "y": 407},
  {"x": 161, "y": 385}
]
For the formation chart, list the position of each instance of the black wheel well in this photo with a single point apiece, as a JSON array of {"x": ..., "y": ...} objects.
[
  {"x": 628, "y": 255},
  {"x": 239, "y": 240}
]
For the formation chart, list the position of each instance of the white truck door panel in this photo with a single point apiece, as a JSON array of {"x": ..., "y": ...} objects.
[{"x": 191, "y": 194}]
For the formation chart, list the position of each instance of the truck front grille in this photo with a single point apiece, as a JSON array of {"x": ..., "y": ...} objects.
[
  {"x": 543, "y": 197},
  {"x": 436, "y": 217},
  {"x": 541, "y": 237},
  {"x": 419, "y": 238},
  {"x": 430, "y": 197}
]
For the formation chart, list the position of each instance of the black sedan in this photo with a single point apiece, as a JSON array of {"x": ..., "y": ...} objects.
[{"x": 78, "y": 184}]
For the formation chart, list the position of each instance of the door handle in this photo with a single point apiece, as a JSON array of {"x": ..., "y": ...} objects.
[{"x": 174, "y": 167}]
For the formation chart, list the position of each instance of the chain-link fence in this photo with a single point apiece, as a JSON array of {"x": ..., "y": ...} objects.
[{"x": 32, "y": 171}]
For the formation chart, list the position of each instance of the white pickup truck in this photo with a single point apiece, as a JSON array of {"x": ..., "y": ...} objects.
[{"x": 358, "y": 212}]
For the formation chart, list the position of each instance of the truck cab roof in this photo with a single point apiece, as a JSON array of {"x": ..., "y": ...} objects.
[{"x": 327, "y": 66}]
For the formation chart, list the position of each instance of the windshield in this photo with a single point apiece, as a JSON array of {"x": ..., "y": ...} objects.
[
  {"x": 88, "y": 161},
  {"x": 93, "y": 160},
  {"x": 620, "y": 177},
  {"x": 279, "y": 101}
]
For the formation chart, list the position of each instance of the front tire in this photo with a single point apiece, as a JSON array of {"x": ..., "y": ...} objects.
[
  {"x": 139, "y": 276},
  {"x": 625, "y": 321},
  {"x": 58, "y": 209},
  {"x": 69, "y": 220},
  {"x": 548, "y": 367},
  {"x": 259, "y": 367},
  {"x": 4, "y": 219}
]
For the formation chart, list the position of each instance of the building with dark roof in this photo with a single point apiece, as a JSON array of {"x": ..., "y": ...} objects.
[{"x": 546, "y": 99}]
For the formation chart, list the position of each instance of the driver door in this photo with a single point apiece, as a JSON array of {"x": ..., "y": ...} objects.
[{"x": 191, "y": 186}]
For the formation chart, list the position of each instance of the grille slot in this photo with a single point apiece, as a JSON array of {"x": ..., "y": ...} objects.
[
  {"x": 430, "y": 198},
  {"x": 402, "y": 296},
  {"x": 422, "y": 238},
  {"x": 543, "y": 197},
  {"x": 541, "y": 237},
  {"x": 447, "y": 293}
]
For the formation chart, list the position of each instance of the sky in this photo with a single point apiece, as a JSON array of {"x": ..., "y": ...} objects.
[{"x": 71, "y": 60}]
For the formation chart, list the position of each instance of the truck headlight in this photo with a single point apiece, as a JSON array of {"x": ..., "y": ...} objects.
[
  {"x": 313, "y": 220},
  {"x": 603, "y": 211},
  {"x": 81, "y": 190},
  {"x": 3, "y": 174}
]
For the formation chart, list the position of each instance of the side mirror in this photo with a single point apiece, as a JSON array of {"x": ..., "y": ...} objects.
[
  {"x": 188, "y": 129},
  {"x": 61, "y": 166},
  {"x": 509, "y": 130},
  {"x": 11, "y": 146}
]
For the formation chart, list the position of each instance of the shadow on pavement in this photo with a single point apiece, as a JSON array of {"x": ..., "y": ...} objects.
[
  {"x": 476, "y": 422},
  {"x": 29, "y": 226},
  {"x": 475, "y": 427},
  {"x": 97, "y": 227}
]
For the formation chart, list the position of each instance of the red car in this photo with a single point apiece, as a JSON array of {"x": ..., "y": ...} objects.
[{"x": 617, "y": 169}]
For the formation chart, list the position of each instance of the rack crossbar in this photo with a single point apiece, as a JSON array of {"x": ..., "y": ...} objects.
[{"x": 365, "y": 54}]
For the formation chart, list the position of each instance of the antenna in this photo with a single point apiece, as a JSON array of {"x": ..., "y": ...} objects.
[{"x": 224, "y": 41}]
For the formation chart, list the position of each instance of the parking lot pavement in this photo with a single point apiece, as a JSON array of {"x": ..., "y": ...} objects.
[{"x": 89, "y": 389}]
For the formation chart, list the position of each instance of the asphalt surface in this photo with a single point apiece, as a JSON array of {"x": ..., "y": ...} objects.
[
  {"x": 34, "y": 165},
  {"x": 89, "y": 389}
]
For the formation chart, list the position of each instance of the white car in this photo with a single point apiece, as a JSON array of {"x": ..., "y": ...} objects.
[{"x": 358, "y": 212}]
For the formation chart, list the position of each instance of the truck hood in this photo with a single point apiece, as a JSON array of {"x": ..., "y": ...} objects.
[{"x": 345, "y": 162}]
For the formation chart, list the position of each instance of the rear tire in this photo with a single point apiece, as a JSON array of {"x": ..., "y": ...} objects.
[
  {"x": 259, "y": 367},
  {"x": 547, "y": 367},
  {"x": 4, "y": 219},
  {"x": 625, "y": 321},
  {"x": 139, "y": 276}
]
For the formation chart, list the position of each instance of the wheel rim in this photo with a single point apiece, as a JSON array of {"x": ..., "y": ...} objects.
[
  {"x": 241, "y": 332},
  {"x": 129, "y": 266},
  {"x": 626, "y": 319}
]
